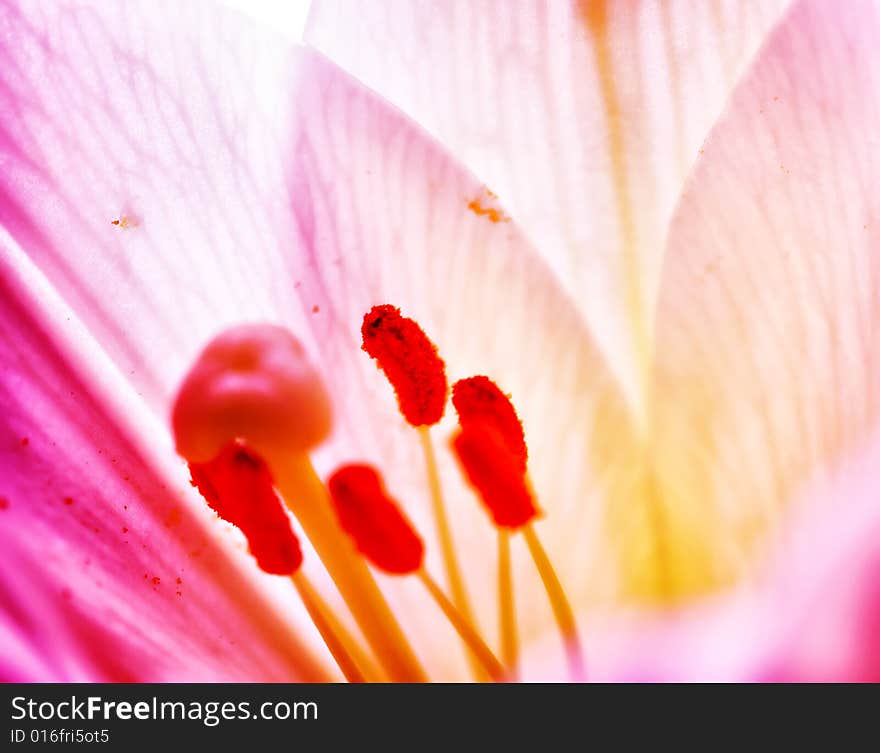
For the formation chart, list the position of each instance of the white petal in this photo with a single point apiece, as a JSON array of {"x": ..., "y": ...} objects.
[
  {"x": 768, "y": 339},
  {"x": 584, "y": 117}
]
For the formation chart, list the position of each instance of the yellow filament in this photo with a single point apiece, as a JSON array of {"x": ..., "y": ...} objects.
[
  {"x": 338, "y": 643},
  {"x": 506, "y": 609},
  {"x": 479, "y": 650},
  {"x": 306, "y": 497},
  {"x": 561, "y": 608},
  {"x": 447, "y": 546}
]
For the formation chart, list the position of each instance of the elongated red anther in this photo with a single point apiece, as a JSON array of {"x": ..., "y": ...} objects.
[
  {"x": 410, "y": 361},
  {"x": 494, "y": 471},
  {"x": 373, "y": 519},
  {"x": 478, "y": 399},
  {"x": 238, "y": 486}
]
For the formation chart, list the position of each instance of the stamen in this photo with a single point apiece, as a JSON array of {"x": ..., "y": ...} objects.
[
  {"x": 410, "y": 362},
  {"x": 308, "y": 499},
  {"x": 496, "y": 474},
  {"x": 317, "y": 610},
  {"x": 386, "y": 538},
  {"x": 255, "y": 383},
  {"x": 506, "y": 607},
  {"x": 465, "y": 630},
  {"x": 447, "y": 547},
  {"x": 479, "y": 400},
  {"x": 245, "y": 418},
  {"x": 239, "y": 488},
  {"x": 492, "y": 453},
  {"x": 559, "y": 602},
  {"x": 351, "y": 645},
  {"x": 379, "y": 529}
]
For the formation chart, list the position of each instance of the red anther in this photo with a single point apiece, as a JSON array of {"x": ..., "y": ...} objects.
[
  {"x": 494, "y": 471},
  {"x": 410, "y": 361},
  {"x": 380, "y": 530},
  {"x": 479, "y": 399},
  {"x": 238, "y": 486}
]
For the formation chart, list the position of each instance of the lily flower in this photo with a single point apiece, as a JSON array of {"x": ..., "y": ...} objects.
[{"x": 652, "y": 226}]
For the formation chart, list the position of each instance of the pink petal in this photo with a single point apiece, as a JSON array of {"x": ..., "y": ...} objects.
[
  {"x": 825, "y": 591},
  {"x": 382, "y": 213},
  {"x": 768, "y": 340},
  {"x": 111, "y": 569},
  {"x": 584, "y": 116}
]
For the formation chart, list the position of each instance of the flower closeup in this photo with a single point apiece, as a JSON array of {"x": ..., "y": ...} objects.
[{"x": 463, "y": 341}]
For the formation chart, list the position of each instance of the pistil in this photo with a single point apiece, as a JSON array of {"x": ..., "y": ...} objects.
[{"x": 254, "y": 384}]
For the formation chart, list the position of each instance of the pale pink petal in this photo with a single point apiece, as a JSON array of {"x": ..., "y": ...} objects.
[
  {"x": 165, "y": 117},
  {"x": 287, "y": 18},
  {"x": 584, "y": 116},
  {"x": 825, "y": 587},
  {"x": 111, "y": 568},
  {"x": 811, "y": 614},
  {"x": 382, "y": 213},
  {"x": 768, "y": 339}
]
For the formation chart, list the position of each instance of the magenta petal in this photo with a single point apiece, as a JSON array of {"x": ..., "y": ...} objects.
[
  {"x": 110, "y": 569},
  {"x": 826, "y": 588}
]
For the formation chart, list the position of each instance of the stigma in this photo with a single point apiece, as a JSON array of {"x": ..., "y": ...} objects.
[{"x": 251, "y": 382}]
